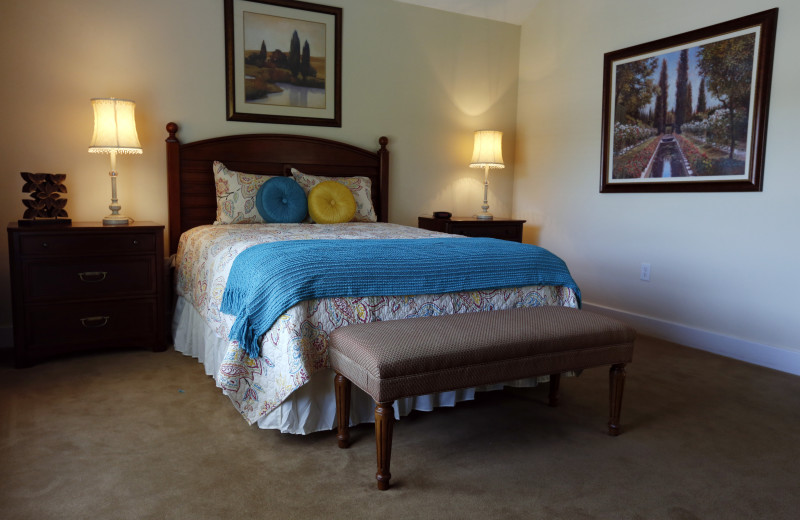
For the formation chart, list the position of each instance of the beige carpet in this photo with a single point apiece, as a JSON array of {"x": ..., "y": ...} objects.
[{"x": 136, "y": 435}]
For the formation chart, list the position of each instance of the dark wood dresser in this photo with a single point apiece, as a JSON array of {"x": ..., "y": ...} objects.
[
  {"x": 504, "y": 228},
  {"x": 85, "y": 287}
]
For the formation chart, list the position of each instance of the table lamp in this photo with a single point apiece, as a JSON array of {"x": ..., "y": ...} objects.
[
  {"x": 114, "y": 132},
  {"x": 488, "y": 153}
]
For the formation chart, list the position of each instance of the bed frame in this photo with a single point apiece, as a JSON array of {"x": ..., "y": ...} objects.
[{"x": 192, "y": 194}]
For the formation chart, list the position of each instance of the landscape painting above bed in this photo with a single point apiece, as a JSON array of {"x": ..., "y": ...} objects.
[
  {"x": 283, "y": 62},
  {"x": 289, "y": 386}
]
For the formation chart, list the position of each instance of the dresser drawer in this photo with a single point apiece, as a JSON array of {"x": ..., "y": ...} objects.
[
  {"x": 505, "y": 232},
  {"x": 60, "y": 244},
  {"x": 86, "y": 278},
  {"x": 502, "y": 228},
  {"x": 92, "y": 324}
]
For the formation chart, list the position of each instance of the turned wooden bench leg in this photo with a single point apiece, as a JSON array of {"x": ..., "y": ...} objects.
[
  {"x": 342, "y": 386},
  {"x": 552, "y": 395},
  {"x": 616, "y": 383},
  {"x": 384, "y": 421}
]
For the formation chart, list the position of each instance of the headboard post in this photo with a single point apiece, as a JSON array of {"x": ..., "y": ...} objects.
[
  {"x": 173, "y": 186},
  {"x": 383, "y": 159}
]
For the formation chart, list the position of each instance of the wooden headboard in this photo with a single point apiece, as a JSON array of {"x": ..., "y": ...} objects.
[{"x": 192, "y": 195}]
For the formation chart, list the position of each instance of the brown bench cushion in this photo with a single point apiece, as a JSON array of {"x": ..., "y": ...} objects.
[{"x": 417, "y": 356}]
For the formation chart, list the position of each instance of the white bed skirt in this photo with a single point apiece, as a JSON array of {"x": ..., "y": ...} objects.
[{"x": 312, "y": 407}]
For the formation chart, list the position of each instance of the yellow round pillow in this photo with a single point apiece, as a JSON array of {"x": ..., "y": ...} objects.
[{"x": 331, "y": 202}]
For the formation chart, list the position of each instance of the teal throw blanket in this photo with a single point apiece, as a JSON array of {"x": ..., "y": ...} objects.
[{"x": 267, "y": 279}]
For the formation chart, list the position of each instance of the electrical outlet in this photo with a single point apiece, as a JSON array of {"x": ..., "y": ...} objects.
[{"x": 645, "y": 272}]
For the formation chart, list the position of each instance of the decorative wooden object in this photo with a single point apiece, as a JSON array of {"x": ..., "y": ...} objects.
[{"x": 46, "y": 206}]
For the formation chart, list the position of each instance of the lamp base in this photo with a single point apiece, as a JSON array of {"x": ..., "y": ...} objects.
[
  {"x": 484, "y": 216},
  {"x": 116, "y": 220}
]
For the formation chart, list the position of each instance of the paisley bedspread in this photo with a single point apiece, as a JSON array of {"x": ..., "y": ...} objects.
[{"x": 296, "y": 346}]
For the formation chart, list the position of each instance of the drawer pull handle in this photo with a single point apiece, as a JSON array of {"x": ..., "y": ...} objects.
[
  {"x": 93, "y": 276},
  {"x": 44, "y": 244},
  {"x": 94, "y": 322},
  {"x": 136, "y": 242}
]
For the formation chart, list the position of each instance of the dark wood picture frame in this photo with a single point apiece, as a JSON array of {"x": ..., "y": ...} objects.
[
  {"x": 641, "y": 148},
  {"x": 238, "y": 108}
]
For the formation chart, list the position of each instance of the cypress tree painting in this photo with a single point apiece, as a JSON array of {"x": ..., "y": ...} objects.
[
  {"x": 279, "y": 69},
  {"x": 283, "y": 62},
  {"x": 660, "y": 131}
]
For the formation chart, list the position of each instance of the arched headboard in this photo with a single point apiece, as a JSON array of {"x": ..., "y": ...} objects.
[{"x": 192, "y": 196}]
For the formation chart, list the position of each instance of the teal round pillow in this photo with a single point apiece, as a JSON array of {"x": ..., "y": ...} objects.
[{"x": 281, "y": 200}]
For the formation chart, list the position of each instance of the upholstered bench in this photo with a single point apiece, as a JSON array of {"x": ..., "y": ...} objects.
[{"x": 416, "y": 356}]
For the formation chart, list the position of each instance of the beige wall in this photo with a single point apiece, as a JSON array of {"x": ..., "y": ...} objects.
[
  {"x": 724, "y": 265},
  {"x": 424, "y": 78}
]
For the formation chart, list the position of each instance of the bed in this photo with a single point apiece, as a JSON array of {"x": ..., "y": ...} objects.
[{"x": 288, "y": 385}]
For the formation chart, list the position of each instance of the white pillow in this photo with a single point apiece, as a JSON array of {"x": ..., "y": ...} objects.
[
  {"x": 361, "y": 187},
  {"x": 236, "y": 195}
]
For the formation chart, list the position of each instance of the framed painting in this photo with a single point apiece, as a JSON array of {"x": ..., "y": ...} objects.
[
  {"x": 283, "y": 62},
  {"x": 689, "y": 112}
]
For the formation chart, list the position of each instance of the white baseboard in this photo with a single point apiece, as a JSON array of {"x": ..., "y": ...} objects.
[{"x": 763, "y": 355}]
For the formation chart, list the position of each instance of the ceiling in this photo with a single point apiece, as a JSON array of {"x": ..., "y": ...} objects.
[{"x": 510, "y": 11}]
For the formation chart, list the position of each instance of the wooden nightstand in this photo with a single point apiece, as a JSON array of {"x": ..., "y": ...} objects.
[
  {"x": 85, "y": 287},
  {"x": 504, "y": 228}
]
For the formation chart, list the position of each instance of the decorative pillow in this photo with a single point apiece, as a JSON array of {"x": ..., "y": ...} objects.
[
  {"x": 281, "y": 200},
  {"x": 331, "y": 202},
  {"x": 361, "y": 187},
  {"x": 236, "y": 194}
]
